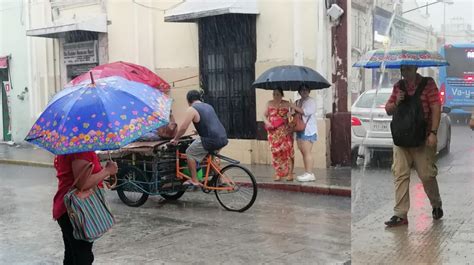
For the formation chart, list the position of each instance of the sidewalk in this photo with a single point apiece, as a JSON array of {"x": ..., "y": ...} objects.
[
  {"x": 330, "y": 181},
  {"x": 424, "y": 240}
]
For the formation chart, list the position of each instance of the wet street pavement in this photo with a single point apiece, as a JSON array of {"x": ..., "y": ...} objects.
[
  {"x": 281, "y": 227},
  {"x": 424, "y": 241}
]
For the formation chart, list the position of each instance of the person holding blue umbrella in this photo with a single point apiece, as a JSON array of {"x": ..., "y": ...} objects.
[
  {"x": 414, "y": 94},
  {"x": 102, "y": 115},
  {"x": 416, "y": 109},
  {"x": 69, "y": 168}
]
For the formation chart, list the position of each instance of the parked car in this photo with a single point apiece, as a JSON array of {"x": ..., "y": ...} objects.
[{"x": 370, "y": 130}]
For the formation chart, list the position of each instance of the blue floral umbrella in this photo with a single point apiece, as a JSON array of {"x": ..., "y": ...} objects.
[
  {"x": 105, "y": 115},
  {"x": 396, "y": 57}
]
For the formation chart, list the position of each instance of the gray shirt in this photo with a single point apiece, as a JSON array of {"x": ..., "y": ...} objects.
[{"x": 210, "y": 129}]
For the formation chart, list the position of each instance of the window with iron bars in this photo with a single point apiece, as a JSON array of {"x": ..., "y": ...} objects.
[{"x": 227, "y": 54}]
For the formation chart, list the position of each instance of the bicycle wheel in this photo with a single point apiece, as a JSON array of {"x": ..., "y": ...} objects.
[
  {"x": 130, "y": 185},
  {"x": 244, "y": 188},
  {"x": 172, "y": 196}
]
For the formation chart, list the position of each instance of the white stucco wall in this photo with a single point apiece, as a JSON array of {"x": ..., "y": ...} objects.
[{"x": 13, "y": 42}]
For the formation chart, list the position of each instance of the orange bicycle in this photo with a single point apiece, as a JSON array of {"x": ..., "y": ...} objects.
[
  {"x": 156, "y": 168},
  {"x": 235, "y": 186}
]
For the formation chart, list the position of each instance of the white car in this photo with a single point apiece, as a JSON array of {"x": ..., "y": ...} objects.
[{"x": 370, "y": 130}]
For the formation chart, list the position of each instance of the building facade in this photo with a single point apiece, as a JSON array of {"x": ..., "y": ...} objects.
[
  {"x": 220, "y": 47},
  {"x": 372, "y": 30},
  {"x": 14, "y": 77},
  {"x": 457, "y": 30}
]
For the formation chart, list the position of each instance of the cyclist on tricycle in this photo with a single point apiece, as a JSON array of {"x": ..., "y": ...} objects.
[
  {"x": 158, "y": 167},
  {"x": 210, "y": 129}
]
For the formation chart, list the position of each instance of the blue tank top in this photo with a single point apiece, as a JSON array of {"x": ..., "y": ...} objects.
[{"x": 210, "y": 129}]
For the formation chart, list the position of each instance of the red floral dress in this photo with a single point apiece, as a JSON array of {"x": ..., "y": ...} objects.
[{"x": 281, "y": 140}]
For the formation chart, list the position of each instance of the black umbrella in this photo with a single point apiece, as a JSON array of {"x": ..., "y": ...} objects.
[{"x": 290, "y": 77}]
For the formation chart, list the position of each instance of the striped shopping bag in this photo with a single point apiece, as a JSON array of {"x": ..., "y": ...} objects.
[{"x": 90, "y": 215}]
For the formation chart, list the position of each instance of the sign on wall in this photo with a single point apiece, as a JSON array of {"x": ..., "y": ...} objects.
[
  {"x": 77, "y": 70},
  {"x": 80, "y": 52}
]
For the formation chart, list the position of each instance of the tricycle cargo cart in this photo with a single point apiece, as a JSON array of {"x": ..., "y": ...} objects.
[{"x": 158, "y": 168}]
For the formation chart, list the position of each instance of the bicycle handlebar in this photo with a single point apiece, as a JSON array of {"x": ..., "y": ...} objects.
[{"x": 181, "y": 140}]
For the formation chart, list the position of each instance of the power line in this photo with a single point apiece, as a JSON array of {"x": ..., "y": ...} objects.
[{"x": 158, "y": 9}]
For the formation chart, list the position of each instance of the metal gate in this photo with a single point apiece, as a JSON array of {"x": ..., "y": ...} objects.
[{"x": 227, "y": 54}]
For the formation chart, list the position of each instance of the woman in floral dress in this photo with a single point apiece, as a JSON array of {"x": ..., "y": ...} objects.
[{"x": 280, "y": 136}]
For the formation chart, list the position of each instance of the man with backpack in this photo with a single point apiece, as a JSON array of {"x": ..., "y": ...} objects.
[{"x": 416, "y": 109}]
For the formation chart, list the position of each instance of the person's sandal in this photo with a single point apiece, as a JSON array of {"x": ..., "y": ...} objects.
[
  {"x": 290, "y": 177},
  {"x": 192, "y": 183},
  {"x": 276, "y": 177}
]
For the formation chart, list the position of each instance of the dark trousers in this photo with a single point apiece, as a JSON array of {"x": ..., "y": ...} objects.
[{"x": 77, "y": 252}]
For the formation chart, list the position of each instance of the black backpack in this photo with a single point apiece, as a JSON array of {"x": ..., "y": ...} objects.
[{"x": 408, "y": 124}]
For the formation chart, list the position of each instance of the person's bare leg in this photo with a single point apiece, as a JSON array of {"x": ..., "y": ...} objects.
[
  {"x": 308, "y": 156},
  {"x": 192, "y": 165},
  {"x": 291, "y": 175},
  {"x": 305, "y": 149}
]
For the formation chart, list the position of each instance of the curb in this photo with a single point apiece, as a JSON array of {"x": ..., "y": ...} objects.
[
  {"x": 321, "y": 189},
  {"x": 25, "y": 163}
]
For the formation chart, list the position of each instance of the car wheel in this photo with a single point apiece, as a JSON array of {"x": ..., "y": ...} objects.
[
  {"x": 447, "y": 148},
  {"x": 354, "y": 158}
]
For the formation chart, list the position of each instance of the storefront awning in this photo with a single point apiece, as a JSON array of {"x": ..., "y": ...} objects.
[
  {"x": 192, "y": 10},
  {"x": 3, "y": 62},
  {"x": 96, "y": 24}
]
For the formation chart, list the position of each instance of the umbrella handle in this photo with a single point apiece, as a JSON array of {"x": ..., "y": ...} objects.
[{"x": 111, "y": 181}]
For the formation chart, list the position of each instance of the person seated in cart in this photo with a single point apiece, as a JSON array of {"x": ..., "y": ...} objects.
[{"x": 212, "y": 134}]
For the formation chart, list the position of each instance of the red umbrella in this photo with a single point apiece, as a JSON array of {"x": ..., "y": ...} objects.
[{"x": 126, "y": 70}]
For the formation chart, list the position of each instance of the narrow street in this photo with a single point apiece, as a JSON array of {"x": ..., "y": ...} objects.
[
  {"x": 281, "y": 227},
  {"x": 447, "y": 241}
]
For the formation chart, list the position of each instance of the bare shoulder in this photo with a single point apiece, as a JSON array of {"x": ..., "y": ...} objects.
[
  {"x": 192, "y": 114},
  {"x": 271, "y": 103},
  {"x": 286, "y": 103},
  {"x": 191, "y": 110}
]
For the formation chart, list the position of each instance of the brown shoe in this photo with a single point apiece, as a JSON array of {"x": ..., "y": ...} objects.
[
  {"x": 276, "y": 177},
  {"x": 396, "y": 221}
]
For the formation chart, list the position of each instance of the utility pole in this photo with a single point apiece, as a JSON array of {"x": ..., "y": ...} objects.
[{"x": 340, "y": 117}]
